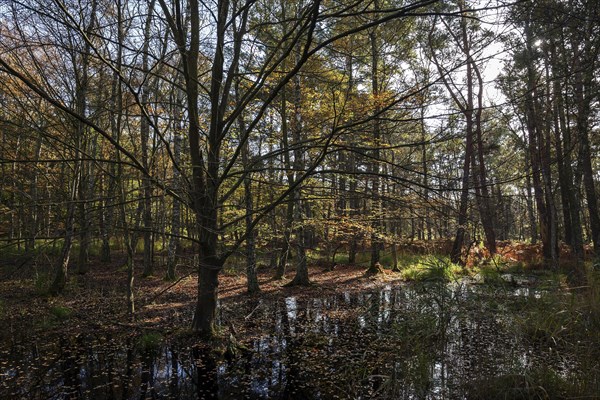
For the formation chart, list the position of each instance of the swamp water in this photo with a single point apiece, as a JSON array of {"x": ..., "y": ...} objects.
[{"x": 408, "y": 342}]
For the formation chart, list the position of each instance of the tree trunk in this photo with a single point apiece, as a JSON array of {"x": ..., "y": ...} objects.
[
  {"x": 353, "y": 212},
  {"x": 60, "y": 277},
  {"x": 206, "y": 304},
  {"x": 584, "y": 94},
  {"x": 570, "y": 205},
  {"x": 84, "y": 222},
  {"x": 301, "y": 277},
  {"x": 485, "y": 206},
  {"x": 173, "y": 246},
  {"x": 252, "y": 284},
  {"x": 472, "y": 128},
  {"x": 85, "y": 181},
  {"x": 205, "y": 174},
  {"x": 32, "y": 220},
  {"x": 284, "y": 253},
  {"x": 375, "y": 169},
  {"x": 529, "y": 197},
  {"x": 145, "y": 137},
  {"x": 539, "y": 157}
]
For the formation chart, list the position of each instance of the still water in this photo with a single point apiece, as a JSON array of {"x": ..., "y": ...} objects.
[{"x": 406, "y": 342}]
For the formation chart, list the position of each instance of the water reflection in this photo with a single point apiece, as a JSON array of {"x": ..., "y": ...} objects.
[{"x": 398, "y": 343}]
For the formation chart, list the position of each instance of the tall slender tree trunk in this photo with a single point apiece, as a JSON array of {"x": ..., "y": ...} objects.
[
  {"x": 84, "y": 220},
  {"x": 529, "y": 197},
  {"x": 77, "y": 190},
  {"x": 86, "y": 179},
  {"x": 145, "y": 138},
  {"x": 584, "y": 92},
  {"x": 106, "y": 181},
  {"x": 173, "y": 246},
  {"x": 117, "y": 122},
  {"x": 539, "y": 157},
  {"x": 350, "y": 166},
  {"x": 571, "y": 207},
  {"x": 252, "y": 284},
  {"x": 32, "y": 220},
  {"x": 376, "y": 211},
  {"x": 485, "y": 196},
  {"x": 130, "y": 250},
  {"x": 474, "y": 162},
  {"x": 301, "y": 277},
  {"x": 425, "y": 171},
  {"x": 459, "y": 238},
  {"x": 61, "y": 274},
  {"x": 289, "y": 214}
]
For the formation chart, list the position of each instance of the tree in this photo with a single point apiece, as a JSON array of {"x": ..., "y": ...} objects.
[
  {"x": 471, "y": 106},
  {"x": 556, "y": 115},
  {"x": 297, "y": 43}
]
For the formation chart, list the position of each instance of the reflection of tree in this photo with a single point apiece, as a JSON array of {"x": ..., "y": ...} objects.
[
  {"x": 174, "y": 378},
  {"x": 147, "y": 385},
  {"x": 294, "y": 332},
  {"x": 207, "y": 384},
  {"x": 127, "y": 380},
  {"x": 70, "y": 371}
]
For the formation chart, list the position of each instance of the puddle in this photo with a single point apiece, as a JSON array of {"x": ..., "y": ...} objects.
[{"x": 408, "y": 342}]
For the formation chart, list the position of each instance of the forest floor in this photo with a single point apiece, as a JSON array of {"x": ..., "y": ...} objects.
[
  {"x": 345, "y": 317},
  {"x": 97, "y": 299}
]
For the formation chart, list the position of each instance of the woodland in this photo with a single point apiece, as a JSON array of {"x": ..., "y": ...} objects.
[{"x": 309, "y": 199}]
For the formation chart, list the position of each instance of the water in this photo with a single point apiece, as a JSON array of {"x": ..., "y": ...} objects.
[{"x": 408, "y": 342}]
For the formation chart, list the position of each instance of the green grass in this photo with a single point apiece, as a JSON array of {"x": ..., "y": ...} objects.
[
  {"x": 386, "y": 259},
  {"x": 536, "y": 383},
  {"x": 362, "y": 257},
  {"x": 569, "y": 323},
  {"x": 491, "y": 275},
  {"x": 61, "y": 313},
  {"x": 575, "y": 315},
  {"x": 414, "y": 267},
  {"x": 49, "y": 248},
  {"x": 430, "y": 268}
]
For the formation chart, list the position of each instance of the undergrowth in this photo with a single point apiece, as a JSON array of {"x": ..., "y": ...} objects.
[
  {"x": 431, "y": 268},
  {"x": 568, "y": 323},
  {"x": 61, "y": 313}
]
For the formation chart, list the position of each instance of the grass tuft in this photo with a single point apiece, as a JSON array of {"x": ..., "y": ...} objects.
[
  {"x": 61, "y": 313},
  {"x": 149, "y": 342},
  {"x": 432, "y": 269}
]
